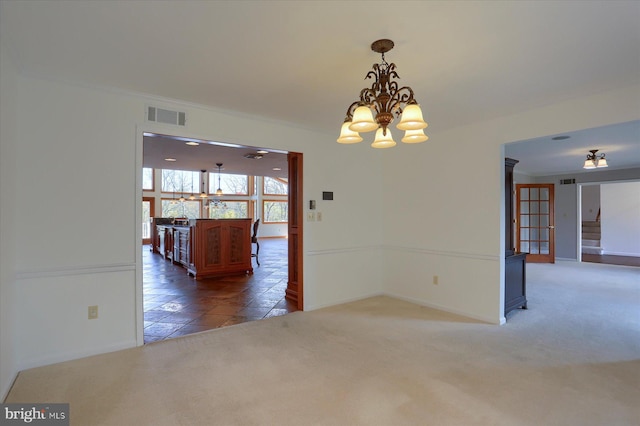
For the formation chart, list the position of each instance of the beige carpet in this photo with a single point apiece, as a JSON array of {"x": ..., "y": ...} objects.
[{"x": 573, "y": 358}]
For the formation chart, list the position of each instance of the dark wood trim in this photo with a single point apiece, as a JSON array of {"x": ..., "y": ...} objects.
[{"x": 294, "y": 291}]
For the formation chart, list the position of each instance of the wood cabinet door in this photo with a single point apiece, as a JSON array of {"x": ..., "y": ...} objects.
[{"x": 535, "y": 225}]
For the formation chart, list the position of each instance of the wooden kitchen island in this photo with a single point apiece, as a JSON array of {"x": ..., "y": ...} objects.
[{"x": 205, "y": 247}]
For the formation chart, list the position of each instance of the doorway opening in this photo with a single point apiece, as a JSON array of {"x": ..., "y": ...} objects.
[
  {"x": 175, "y": 303},
  {"x": 608, "y": 218}
]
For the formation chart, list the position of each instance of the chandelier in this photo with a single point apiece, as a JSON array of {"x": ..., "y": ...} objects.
[
  {"x": 219, "y": 190},
  {"x": 217, "y": 203},
  {"x": 203, "y": 194},
  {"x": 595, "y": 161},
  {"x": 386, "y": 100}
]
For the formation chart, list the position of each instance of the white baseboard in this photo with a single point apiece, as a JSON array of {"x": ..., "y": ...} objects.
[
  {"x": 446, "y": 309},
  {"x": 6, "y": 387},
  {"x": 68, "y": 356},
  {"x": 410, "y": 300},
  {"x": 620, "y": 253},
  {"x": 343, "y": 301}
]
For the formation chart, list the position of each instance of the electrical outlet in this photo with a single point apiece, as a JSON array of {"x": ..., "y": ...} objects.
[
  {"x": 93, "y": 312},
  {"x": 319, "y": 216},
  {"x": 435, "y": 280},
  {"x": 311, "y": 216}
]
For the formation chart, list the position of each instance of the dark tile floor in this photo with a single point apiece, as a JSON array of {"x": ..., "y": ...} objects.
[{"x": 176, "y": 304}]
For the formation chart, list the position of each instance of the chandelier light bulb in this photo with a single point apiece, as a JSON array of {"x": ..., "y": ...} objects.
[
  {"x": 347, "y": 135},
  {"x": 602, "y": 162},
  {"x": 363, "y": 120},
  {"x": 382, "y": 140},
  {"x": 414, "y": 136},
  {"x": 412, "y": 118}
]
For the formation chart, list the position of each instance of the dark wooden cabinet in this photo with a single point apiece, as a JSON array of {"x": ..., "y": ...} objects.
[
  {"x": 206, "y": 247},
  {"x": 515, "y": 283},
  {"x": 164, "y": 241},
  {"x": 220, "y": 247},
  {"x": 181, "y": 245}
]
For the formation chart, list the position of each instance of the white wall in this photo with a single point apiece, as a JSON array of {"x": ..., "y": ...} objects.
[
  {"x": 620, "y": 218},
  {"x": 78, "y": 249},
  {"x": 522, "y": 177},
  {"x": 452, "y": 226},
  {"x": 397, "y": 218},
  {"x": 8, "y": 142}
]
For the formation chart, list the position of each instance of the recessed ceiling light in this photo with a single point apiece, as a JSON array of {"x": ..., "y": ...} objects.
[
  {"x": 192, "y": 143},
  {"x": 262, "y": 152},
  {"x": 560, "y": 138},
  {"x": 169, "y": 159},
  {"x": 277, "y": 169}
]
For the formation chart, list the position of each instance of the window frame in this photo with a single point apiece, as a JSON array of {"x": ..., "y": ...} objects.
[
  {"x": 153, "y": 180},
  {"x": 197, "y": 189},
  {"x": 272, "y": 200},
  {"x": 213, "y": 182},
  {"x": 264, "y": 193},
  {"x": 246, "y": 202},
  {"x": 198, "y": 200}
]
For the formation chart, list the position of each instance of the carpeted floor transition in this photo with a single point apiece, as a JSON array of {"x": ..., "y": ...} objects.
[{"x": 573, "y": 358}]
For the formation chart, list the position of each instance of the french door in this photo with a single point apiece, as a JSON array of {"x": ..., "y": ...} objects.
[{"x": 535, "y": 226}]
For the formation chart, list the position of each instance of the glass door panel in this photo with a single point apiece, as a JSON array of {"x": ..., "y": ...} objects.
[
  {"x": 535, "y": 230},
  {"x": 147, "y": 215}
]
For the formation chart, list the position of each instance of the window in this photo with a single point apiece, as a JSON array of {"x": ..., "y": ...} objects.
[
  {"x": 147, "y": 179},
  {"x": 233, "y": 210},
  {"x": 275, "y": 186},
  {"x": 230, "y": 184},
  {"x": 175, "y": 208},
  {"x": 180, "y": 181},
  {"x": 275, "y": 211}
]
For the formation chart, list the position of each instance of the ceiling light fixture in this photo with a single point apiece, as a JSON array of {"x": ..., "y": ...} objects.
[
  {"x": 217, "y": 203},
  {"x": 386, "y": 99},
  {"x": 219, "y": 190},
  {"x": 203, "y": 194},
  {"x": 594, "y": 161}
]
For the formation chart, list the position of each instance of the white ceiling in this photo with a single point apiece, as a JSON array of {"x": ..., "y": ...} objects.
[
  {"x": 304, "y": 62},
  {"x": 545, "y": 156},
  {"x": 206, "y": 155}
]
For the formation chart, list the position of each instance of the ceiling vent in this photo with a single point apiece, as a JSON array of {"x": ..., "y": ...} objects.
[
  {"x": 567, "y": 181},
  {"x": 166, "y": 116},
  {"x": 253, "y": 156}
]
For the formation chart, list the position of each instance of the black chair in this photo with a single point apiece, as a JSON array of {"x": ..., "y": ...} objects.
[{"x": 254, "y": 240}]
